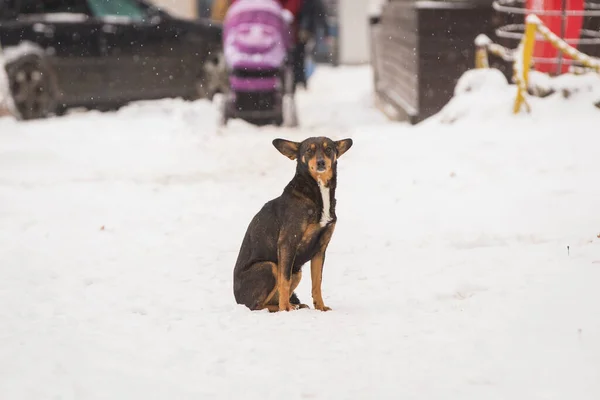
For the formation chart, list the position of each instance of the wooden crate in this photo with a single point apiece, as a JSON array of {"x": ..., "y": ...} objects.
[{"x": 421, "y": 48}]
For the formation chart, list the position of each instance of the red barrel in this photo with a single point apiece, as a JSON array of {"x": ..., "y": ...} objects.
[{"x": 573, "y": 25}]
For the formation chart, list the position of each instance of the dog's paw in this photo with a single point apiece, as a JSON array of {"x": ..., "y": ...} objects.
[
  {"x": 288, "y": 307},
  {"x": 303, "y": 306},
  {"x": 322, "y": 307}
]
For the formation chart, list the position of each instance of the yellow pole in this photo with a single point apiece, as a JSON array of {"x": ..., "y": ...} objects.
[
  {"x": 481, "y": 51},
  {"x": 522, "y": 70},
  {"x": 481, "y": 58},
  {"x": 530, "y": 31}
]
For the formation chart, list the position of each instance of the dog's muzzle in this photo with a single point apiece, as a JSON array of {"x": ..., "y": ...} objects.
[{"x": 320, "y": 165}]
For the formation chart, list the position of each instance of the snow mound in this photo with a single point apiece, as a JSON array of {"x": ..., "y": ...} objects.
[
  {"x": 479, "y": 80},
  {"x": 484, "y": 95},
  {"x": 479, "y": 94},
  {"x": 585, "y": 86}
]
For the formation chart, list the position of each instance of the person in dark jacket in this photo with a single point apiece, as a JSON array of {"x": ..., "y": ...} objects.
[{"x": 313, "y": 17}]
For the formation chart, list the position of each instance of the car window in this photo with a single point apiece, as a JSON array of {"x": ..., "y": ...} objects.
[
  {"x": 117, "y": 8},
  {"x": 51, "y": 6}
]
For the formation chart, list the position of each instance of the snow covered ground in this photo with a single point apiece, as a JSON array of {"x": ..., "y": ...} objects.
[{"x": 448, "y": 274}]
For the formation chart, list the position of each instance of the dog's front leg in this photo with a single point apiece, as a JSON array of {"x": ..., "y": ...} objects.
[
  {"x": 316, "y": 269},
  {"x": 286, "y": 254}
]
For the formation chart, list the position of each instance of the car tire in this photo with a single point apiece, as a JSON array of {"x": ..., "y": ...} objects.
[{"x": 33, "y": 87}]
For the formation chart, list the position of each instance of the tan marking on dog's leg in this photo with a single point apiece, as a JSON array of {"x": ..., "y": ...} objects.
[
  {"x": 284, "y": 285},
  {"x": 309, "y": 232},
  {"x": 274, "y": 291},
  {"x": 284, "y": 294},
  {"x": 316, "y": 270},
  {"x": 295, "y": 281}
]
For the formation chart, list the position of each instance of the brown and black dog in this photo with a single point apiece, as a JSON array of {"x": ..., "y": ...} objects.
[{"x": 291, "y": 230}]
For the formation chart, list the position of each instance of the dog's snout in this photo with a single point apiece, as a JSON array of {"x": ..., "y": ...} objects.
[{"x": 320, "y": 165}]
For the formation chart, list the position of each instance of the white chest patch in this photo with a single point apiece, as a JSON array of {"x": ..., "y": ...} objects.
[{"x": 325, "y": 216}]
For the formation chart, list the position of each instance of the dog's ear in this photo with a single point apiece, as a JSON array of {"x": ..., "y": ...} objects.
[
  {"x": 287, "y": 148},
  {"x": 342, "y": 146}
]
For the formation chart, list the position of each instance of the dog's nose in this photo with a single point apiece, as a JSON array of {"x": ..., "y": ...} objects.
[{"x": 320, "y": 164}]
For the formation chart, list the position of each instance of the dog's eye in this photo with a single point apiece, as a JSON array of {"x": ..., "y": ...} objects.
[
  {"x": 328, "y": 151},
  {"x": 309, "y": 151}
]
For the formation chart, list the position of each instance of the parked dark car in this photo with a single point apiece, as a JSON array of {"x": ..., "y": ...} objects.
[{"x": 103, "y": 54}]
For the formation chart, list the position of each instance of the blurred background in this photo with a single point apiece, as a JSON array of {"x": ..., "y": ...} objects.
[
  {"x": 103, "y": 54},
  {"x": 353, "y": 14}
]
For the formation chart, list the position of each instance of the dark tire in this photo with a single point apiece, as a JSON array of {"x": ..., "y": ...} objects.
[
  {"x": 61, "y": 110},
  {"x": 105, "y": 108},
  {"x": 33, "y": 87}
]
